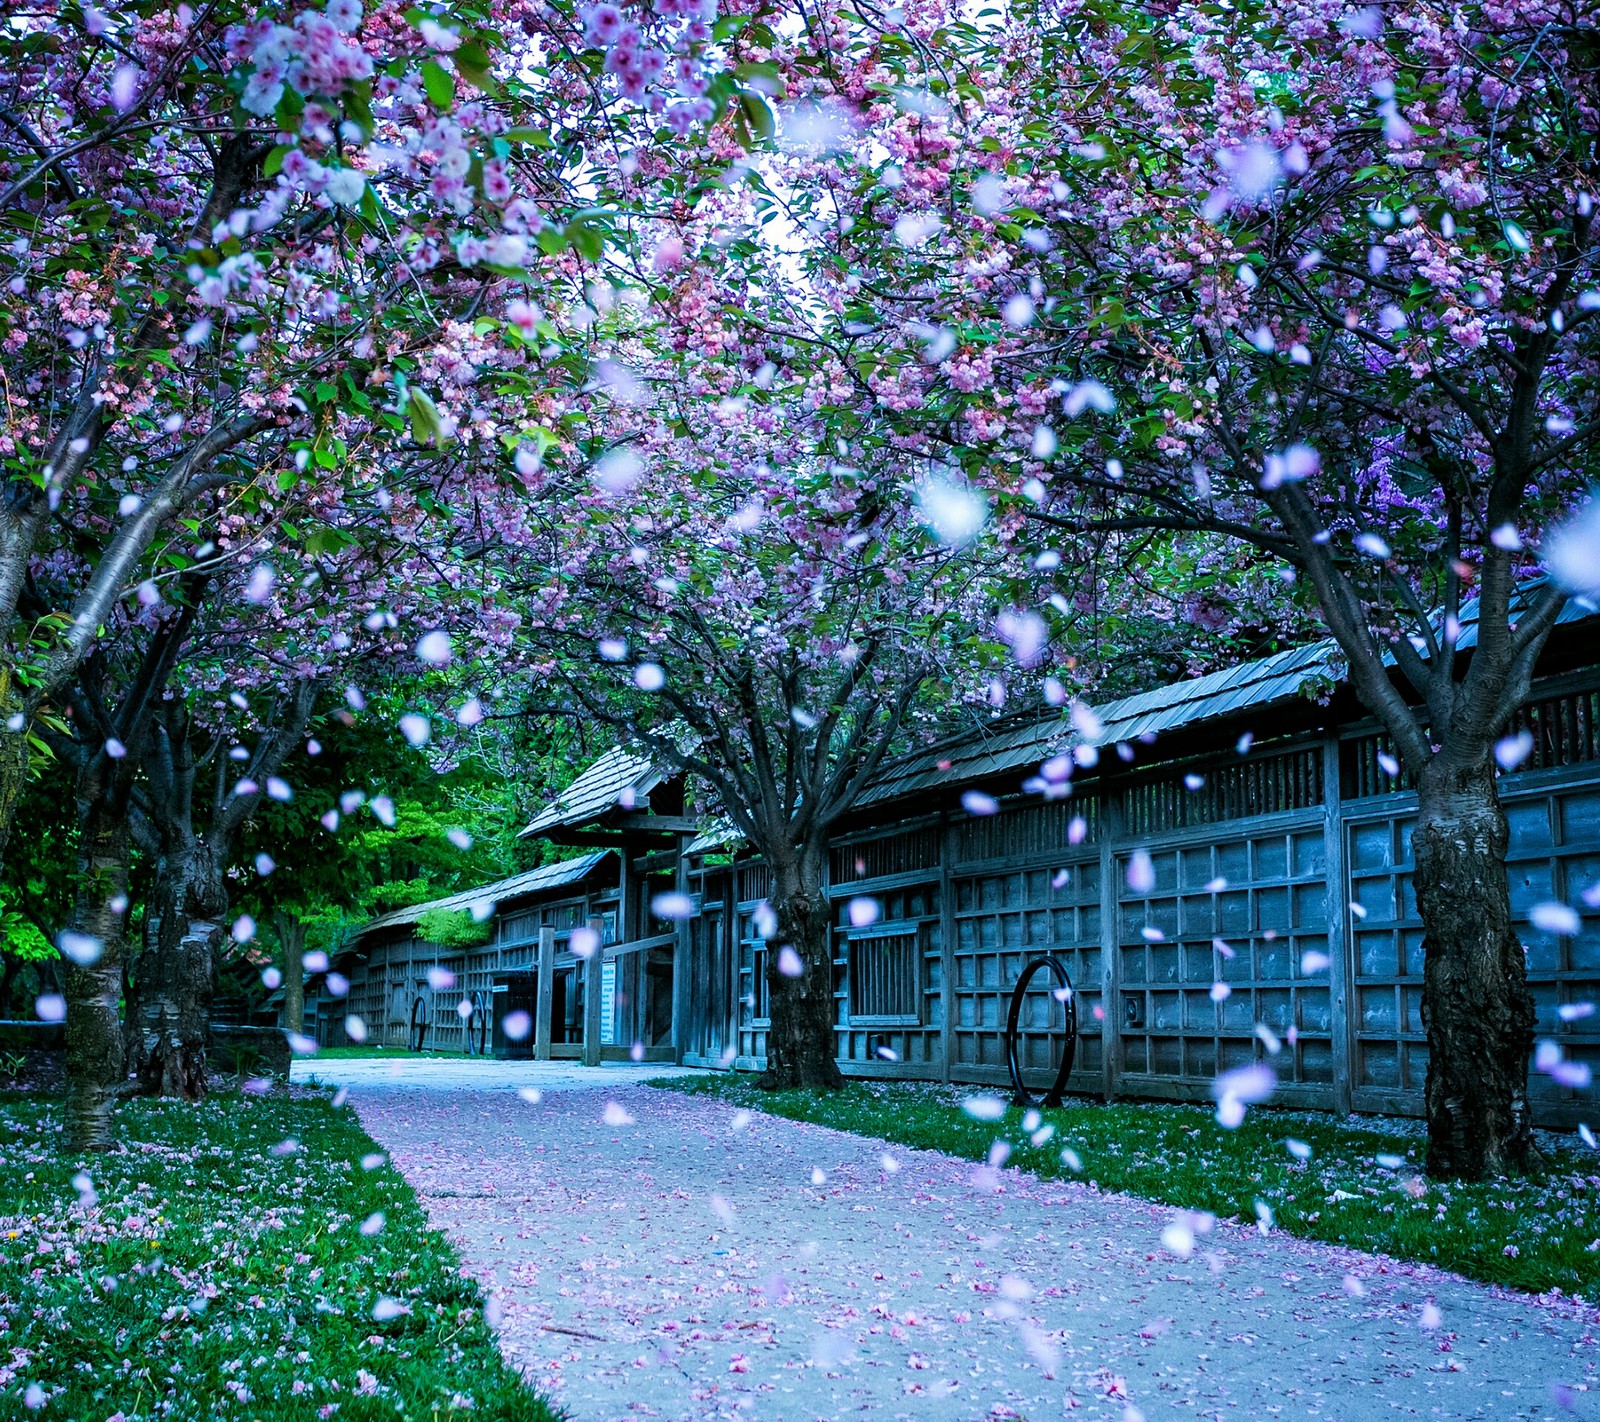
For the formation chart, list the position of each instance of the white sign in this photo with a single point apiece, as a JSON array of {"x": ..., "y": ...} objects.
[{"x": 608, "y": 1004}]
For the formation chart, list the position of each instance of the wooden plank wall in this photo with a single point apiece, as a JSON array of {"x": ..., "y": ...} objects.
[{"x": 1279, "y": 896}]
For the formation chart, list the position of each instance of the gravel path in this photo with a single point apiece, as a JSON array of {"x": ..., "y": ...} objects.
[{"x": 660, "y": 1256}]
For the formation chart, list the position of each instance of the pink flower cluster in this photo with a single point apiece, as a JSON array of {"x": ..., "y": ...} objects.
[
  {"x": 311, "y": 57},
  {"x": 640, "y": 65}
]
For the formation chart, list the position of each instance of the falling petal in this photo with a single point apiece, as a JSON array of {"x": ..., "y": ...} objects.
[
  {"x": 1572, "y": 552},
  {"x": 82, "y": 948},
  {"x": 863, "y": 912},
  {"x": 1557, "y": 918},
  {"x": 434, "y": 649},
  {"x": 673, "y": 906},
  {"x": 955, "y": 513},
  {"x": 1141, "y": 872}
]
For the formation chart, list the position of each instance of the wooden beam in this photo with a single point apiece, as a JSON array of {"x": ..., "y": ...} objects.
[
  {"x": 657, "y": 824},
  {"x": 591, "y": 998},
  {"x": 1110, "y": 941},
  {"x": 547, "y": 993},
  {"x": 614, "y": 951},
  {"x": 1341, "y": 993},
  {"x": 680, "y": 965},
  {"x": 947, "y": 950}
]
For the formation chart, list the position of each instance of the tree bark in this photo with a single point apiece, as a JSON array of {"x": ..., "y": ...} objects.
[
  {"x": 95, "y": 1057},
  {"x": 292, "y": 940},
  {"x": 801, "y": 1047},
  {"x": 176, "y": 987},
  {"x": 178, "y": 975},
  {"x": 13, "y": 756},
  {"x": 1476, "y": 1007}
]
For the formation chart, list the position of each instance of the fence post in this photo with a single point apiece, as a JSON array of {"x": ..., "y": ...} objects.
[
  {"x": 593, "y": 966},
  {"x": 1341, "y": 969},
  {"x": 947, "y": 948},
  {"x": 547, "y": 993},
  {"x": 1111, "y": 831}
]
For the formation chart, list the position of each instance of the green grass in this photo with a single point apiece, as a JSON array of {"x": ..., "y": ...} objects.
[
  {"x": 1532, "y": 1232},
  {"x": 210, "y": 1264}
]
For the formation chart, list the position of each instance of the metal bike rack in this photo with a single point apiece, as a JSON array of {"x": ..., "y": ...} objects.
[{"x": 1068, "y": 999}]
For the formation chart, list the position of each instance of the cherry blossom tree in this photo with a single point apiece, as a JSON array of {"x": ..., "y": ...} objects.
[
  {"x": 114, "y": 703},
  {"x": 1314, "y": 280},
  {"x": 230, "y": 231},
  {"x": 765, "y": 618}
]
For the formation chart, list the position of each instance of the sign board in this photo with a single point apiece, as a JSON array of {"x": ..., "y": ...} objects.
[{"x": 608, "y": 1004}]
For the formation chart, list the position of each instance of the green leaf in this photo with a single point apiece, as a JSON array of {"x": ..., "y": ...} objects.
[
  {"x": 588, "y": 236},
  {"x": 472, "y": 64},
  {"x": 326, "y": 541},
  {"x": 536, "y": 136},
  {"x": 427, "y": 427},
  {"x": 763, "y": 75},
  {"x": 440, "y": 85},
  {"x": 358, "y": 109},
  {"x": 758, "y": 115}
]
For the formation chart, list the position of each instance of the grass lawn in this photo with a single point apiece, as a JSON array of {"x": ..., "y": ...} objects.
[
  {"x": 1360, "y": 1184},
  {"x": 253, "y": 1257}
]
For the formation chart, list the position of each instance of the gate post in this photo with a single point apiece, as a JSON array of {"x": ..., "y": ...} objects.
[
  {"x": 680, "y": 960},
  {"x": 547, "y": 994}
]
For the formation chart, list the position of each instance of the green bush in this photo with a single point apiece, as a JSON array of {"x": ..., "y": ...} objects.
[{"x": 454, "y": 928}]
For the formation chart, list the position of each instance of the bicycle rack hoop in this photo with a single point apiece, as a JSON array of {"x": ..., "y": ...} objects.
[{"x": 1069, "y": 1048}]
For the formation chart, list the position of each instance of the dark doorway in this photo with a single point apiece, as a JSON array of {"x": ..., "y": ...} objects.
[{"x": 514, "y": 992}]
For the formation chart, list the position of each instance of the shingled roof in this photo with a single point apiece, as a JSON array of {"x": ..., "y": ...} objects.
[
  {"x": 1013, "y": 744},
  {"x": 547, "y": 876},
  {"x": 597, "y": 791}
]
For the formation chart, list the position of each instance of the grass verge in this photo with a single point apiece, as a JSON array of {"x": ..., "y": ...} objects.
[
  {"x": 214, "y": 1265},
  {"x": 1360, "y": 1185}
]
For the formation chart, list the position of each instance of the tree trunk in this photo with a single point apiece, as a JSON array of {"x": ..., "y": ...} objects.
[
  {"x": 292, "y": 939},
  {"x": 13, "y": 758},
  {"x": 95, "y": 1057},
  {"x": 176, "y": 978},
  {"x": 801, "y": 1047},
  {"x": 1476, "y": 1007}
]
